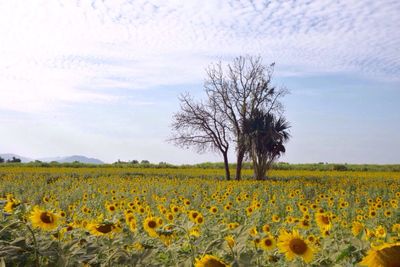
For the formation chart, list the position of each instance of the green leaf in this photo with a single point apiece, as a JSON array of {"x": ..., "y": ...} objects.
[{"x": 345, "y": 253}]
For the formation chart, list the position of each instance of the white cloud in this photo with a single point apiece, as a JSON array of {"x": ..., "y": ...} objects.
[{"x": 54, "y": 52}]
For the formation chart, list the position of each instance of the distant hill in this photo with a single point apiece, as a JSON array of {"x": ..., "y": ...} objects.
[
  {"x": 8, "y": 156},
  {"x": 67, "y": 159},
  {"x": 81, "y": 159}
]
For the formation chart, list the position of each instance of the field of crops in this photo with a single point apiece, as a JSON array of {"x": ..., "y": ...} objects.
[{"x": 190, "y": 217}]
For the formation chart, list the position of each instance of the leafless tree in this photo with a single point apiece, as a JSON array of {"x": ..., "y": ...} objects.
[
  {"x": 202, "y": 126},
  {"x": 238, "y": 91}
]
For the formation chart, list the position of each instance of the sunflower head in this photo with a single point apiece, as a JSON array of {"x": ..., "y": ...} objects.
[
  {"x": 210, "y": 261},
  {"x": 293, "y": 245},
  {"x": 230, "y": 241},
  {"x": 383, "y": 255},
  {"x": 150, "y": 225},
  {"x": 10, "y": 205},
  {"x": 324, "y": 221},
  {"x": 268, "y": 243},
  {"x": 43, "y": 219},
  {"x": 101, "y": 228}
]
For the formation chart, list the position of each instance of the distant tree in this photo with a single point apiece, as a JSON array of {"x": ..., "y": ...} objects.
[
  {"x": 145, "y": 162},
  {"x": 202, "y": 126},
  {"x": 135, "y": 161},
  {"x": 265, "y": 138},
  {"x": 1, "y": 160},
  {"x": 237, "y": 92},
  {"x": 14, "y": 160}
]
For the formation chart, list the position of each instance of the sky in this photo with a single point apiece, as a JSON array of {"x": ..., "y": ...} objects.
[{"x": 102, "y": 78}]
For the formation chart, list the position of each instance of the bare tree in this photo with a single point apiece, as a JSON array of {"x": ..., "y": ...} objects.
[
  {"x": 238, "y": 91},
  {"x": 202, "y": 126}
]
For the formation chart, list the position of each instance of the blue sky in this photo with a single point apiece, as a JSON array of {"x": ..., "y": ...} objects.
[{"x": 101, "y": 78}]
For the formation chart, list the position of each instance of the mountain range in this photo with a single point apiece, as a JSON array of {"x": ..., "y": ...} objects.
[{"x": 67, "y": 159}]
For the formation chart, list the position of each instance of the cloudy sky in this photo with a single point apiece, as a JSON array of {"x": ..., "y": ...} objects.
[{"x": 101, "y": 78}]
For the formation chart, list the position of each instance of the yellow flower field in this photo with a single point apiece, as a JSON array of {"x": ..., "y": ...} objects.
[{"x": 112, "y": 216}]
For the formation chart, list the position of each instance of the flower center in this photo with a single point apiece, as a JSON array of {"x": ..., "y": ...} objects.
[
  {"x": 152, "y": 224},
  {"x": 268, "y": 242},
  {"x": 46, "y": 217},
  {"x": 325, "y": 219},
  {"x": 390, "y": 256},
  {"x": 104, "y": 228},
  {"x": 298, "y": 246},
  {"x": 213, "y": 263}
]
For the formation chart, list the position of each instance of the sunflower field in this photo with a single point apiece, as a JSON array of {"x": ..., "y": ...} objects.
[{"x": 191, "y": 217}]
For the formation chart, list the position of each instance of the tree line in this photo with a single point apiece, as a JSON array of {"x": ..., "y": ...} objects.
[
  {"x": 242, "y": 109},
  {"x": 13, "y": 160}
]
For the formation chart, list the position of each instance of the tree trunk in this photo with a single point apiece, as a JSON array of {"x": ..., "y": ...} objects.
[
  {"x": 240, "y": 157},
  {"x": 226, "y": 165},
  {"x": 260, "y": 166}
]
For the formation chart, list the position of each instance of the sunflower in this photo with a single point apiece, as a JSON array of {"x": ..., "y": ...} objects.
[
  {"x": 150, "y": 225},
  {"x": 62, "y": 214},
  {"x": 292, "y": 244},
  {"x": 372, "y": 213},
  {"x": 213, "y": 209},
  {"x": 199, "y": 219},
  {"x": 249, "y": 210},
  {"x": 85, "y": 210},
  {"x": 383, "y": 256},
  {"x": 233, "y": 225},
  {"x": 169, "y": 216},
  {"x": 230, "y": 241},
  {"x": 193, "y": 215},
  {"x": 276, "y": 218},
  {"x": 312, "y": 239},
  {"x": 357, "y": 227},
  {"x": 268, "y": 243},
  {"x": 101, "y": 228},
  {"x": 195, "y": 231},
  {"x": 396, "y": 228},
  {"x": 210, "y": 261},
  {"x": 10, "y": 205},
  {"x": 323, "y": 220},
  {"x": 380, "y": 232},
  {"x": 227, "y": 207},
  {"x": 132, "y": 225},
  {"x": 305, "y": 224},
  {"x": 43, "y": 219},
  {"x": 387, "y": 213},
  {"x": 111, "y": 207},
  {"x": 266, "y": 228},
  {"x": 253, "y": 231},
  {"x": 174, "y": 209}
]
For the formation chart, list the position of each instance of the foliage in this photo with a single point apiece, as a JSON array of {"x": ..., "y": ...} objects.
[{"x": 265, "y": 139}]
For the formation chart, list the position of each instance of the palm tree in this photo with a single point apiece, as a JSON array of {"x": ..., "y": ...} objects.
[{"x": 265, "y": 139}]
